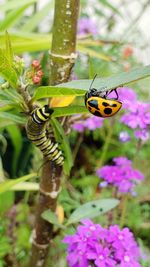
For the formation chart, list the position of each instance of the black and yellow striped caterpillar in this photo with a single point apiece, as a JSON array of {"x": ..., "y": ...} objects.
[{"x": 36, "y": 132}]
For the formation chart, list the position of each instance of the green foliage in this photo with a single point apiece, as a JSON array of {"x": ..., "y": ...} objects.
[
  {"x": 92, "y": 209},
  {"x": 79, "y": 87},
  {"x": 49, "y": 216},
  {"x": 16, "y": 139},
  {"x": 61, "y": 138},
  {"x": 7, "y": 198},
  {"x": 69, "y": 110},
  {"x": 84, "y": 152},
  {"x": 5, "y": 186},
  {"x": 6, "y": 69},
  {"x": 33, "y": 22}
]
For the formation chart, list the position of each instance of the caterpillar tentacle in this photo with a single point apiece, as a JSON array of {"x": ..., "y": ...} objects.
[{"x": 36, "y": 132}]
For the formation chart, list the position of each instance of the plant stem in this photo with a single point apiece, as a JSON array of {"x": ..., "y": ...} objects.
[
  {"x": 123, "y": 210},
  {"x": 62, "y": 57},
  {"x": 49, "y": 189},
  {"x": 105, "y": 146}
]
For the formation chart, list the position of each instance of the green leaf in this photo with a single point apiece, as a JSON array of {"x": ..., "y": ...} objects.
[
  {"x": 110, "y": 6},
  {"x": 79, "y": 87},
  {"x": 9, "y": 5},
  {"x": 6, "y": 70},
  {"x": 16, "y": 140},
  {"x": 33, "y": 21},
  {"x": 25, "y": 186},
  {"x": 92, "y": 209},
  {"x": 13, "y": 16},
  {"x": 4, "y": 123},
  {"x": 53, "y": 91},
  {"x": 5, "y": 186},
  {"x": 5, "y": 246},
  {"x": 68, "y": 111},
  {"x": 50, "y": 216},
  {"x": 62, "y": 139},
  {"x": 10, "y": 95},
  {"x": 12, "y": 117},
  {"x": 8, "y": 198},
  {"x": 9, "y": 52},
  {"x": 112, "y": 82}
]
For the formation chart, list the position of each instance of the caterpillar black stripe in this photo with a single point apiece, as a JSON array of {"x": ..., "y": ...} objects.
[{"x": 36, "y": 132}]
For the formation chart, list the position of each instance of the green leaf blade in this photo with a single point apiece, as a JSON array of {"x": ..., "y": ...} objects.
[
  {"x": 51, "y": 91},
  {"x": 51, "y": 217},
  {"x": 6, "y": 70},
  {"x": 112, "y": 82},
  {"x": 7, "y": 185},
  {"x": 12, "y": 117},
  {"x": 62, "y": 139},
  {"x": 68, "y": 111},
  {"x": 9, "y": 51},
  {"x": 79, "y": 87},
  {"x": 92, "y": 209},
  {"x": 17, "y": 142}
]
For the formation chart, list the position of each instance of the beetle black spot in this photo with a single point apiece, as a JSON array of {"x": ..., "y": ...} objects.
[
  {"x": 107, "y": 111},
  {"x": 101, "y": 209},
  {"x": 105, "y": 104},
  {"x": 96, "y": 113},
  {"x": 114, "y": 105},
  {"x": 93, "y": 103}
]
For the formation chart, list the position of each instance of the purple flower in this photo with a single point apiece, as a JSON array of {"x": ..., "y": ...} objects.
[
  {"x": 138, "y": 118},
  {"x": 101, "y": 247},
  {"x": 121, "y": 175},
  {"x": 126, "y": 95},
  {"x": 139, "y": 115},
  {"x": 142, "y": 134},
  {"x": 124, "y": 137},
  {"x": 78, "y": 126},
  {"x": 91, "y": 123},
  {"x": 119, "y": 161},
  {"x": 86, "y": 26}
]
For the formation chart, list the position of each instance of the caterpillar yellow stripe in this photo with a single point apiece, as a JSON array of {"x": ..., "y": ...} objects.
[{"x": 36, "y": 132}]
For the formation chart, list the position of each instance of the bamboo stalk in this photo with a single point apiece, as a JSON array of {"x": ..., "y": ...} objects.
[
  {"x": 62, "y": 58},
  {"x": 63, "y": 55}
]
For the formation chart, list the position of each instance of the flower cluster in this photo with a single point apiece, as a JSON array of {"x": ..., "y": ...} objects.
[
  {"x": 35, "y": 74},
  {"x": 121, "y": 175},
  {"x": 138, "y": 113},
  {"x": 95, "y": 246},
  {"x": 86, "y": 26},
  {"x": 18, "y": 64},
  {"x": 91, "y": 123},
  {"x": 138, "y": 118}
]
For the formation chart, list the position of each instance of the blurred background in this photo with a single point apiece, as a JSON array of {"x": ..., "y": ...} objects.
[{"x": 112, "y": 37}]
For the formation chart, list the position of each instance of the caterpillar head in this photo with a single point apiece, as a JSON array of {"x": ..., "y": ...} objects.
[{"x": 47, "y": 110}]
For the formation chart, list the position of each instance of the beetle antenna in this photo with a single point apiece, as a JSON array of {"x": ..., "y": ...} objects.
[{"x": 92, "y": 81}]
